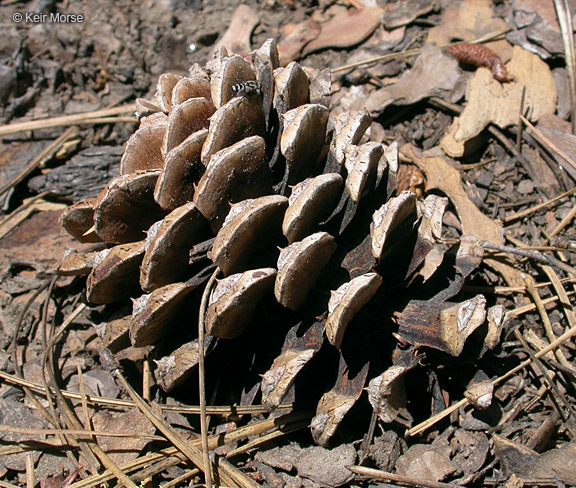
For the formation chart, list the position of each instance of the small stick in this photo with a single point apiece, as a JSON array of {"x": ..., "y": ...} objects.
[
  {"x": 542, "y": 139},
  {"x": 38, "y": 160},
  {"x": 66, "y": 120},
  {"x": 421, "y": 427},
  {"x": 537, "y": 256},
  {"x": 407, "y": 480},
  {"x": 202, "y": 379},
  {"x": 564, "y": 222},
  {"x": 413, "y": 52},
  {"x": 535, "y": 208},
  {"x": 30, "y": 481}
]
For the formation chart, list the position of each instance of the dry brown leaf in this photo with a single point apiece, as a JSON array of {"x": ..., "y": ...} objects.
[
  {"x": 399, "y": 14},
  {"x": 490, "y": 101},
  {"x": 433, "y": 74},
  {"x": 122, "y": 449},
  {"x": 346, "y": 30},
  {"x": 440, "y": 175},
  {"x": 294, "y": 38},
  {"x": 236, "y": 39},
  {"x": 469, "y": 20}
]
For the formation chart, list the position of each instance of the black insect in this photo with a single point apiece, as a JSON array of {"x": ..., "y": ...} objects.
[{"x": 247, "y": 89}]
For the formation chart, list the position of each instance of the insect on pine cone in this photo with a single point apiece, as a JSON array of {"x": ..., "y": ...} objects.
[{"x": 300, "y": 212}]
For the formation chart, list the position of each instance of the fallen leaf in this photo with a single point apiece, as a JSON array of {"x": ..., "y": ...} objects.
[
  {"x": 122, "y": 449},
  {"x": 433, "y": 74},
  {"x": 441, "y": 176},
  {"x": 537, "y": 27},
  {"x": 346, "y": 30},
  {"x": 470, "y": 20},
  {"x": 426, "y": 462},
  {"x": 399, "y": 14},
  {"x": 236, "y": 39},
  {"x": 490, "y": 101},
  {"x": 294, "y": 38}
]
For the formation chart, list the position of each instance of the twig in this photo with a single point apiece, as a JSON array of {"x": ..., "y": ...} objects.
[
  {"x": 564, "y": 222},
  {"x": 398, "y": 478},
  {"x": 537, "y": 256},
  {"x": 67, "y": 120},
  {"x": 565, "y": 21},
  {"x": 535, "y": 208},
  {"x": 115, "y": 402},
  {"x": 202, "y": 378},
  {"x": 30, "y": 481},
  {"x": 556, "y": 394},
  {"x": 412, "y": 52},
  {"x": 423, "y": 426},
  {"x": 46, "y": 153},
  {"x": 30, "y": 431},
  {"x": 542, "y": 139}
]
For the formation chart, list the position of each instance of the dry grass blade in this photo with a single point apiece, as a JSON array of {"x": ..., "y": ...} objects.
[
  {"x": 564, "y": 222},
  {"x": 24, "y": 430},
  {"x": 47, "y": 153},
  {"x": 540, "y": 206},
  {"x": 398, "y": 478},
  {"x": 542, "y": 139},
  {"x": 561, "y": 292},
  {"x": 30, "y": 481},
  {"x": 565, "y": 21},
  {"x": 412, "y": 52},
  {"x": 193, "y": 454},
  {"x": 537, "y": 256},
  {"x": 3, "y": 484},
  {"x": 102, "y": 116},
  {"x": 117, "y": 403},
  {"x": 202, "y": 378},
  {"x": 560, "y": 398}
]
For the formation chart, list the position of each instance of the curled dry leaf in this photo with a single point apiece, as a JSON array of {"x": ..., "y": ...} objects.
[{"x": 491, "y": 102}]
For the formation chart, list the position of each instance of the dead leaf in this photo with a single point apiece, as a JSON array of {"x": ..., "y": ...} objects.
[
  {"x": 346, "y": 30},
  {"x": 294, "y": 38},
  {"x": 399, "y": 14},
  {"x": 122, "y": 450},
  {"x": 489, "y": 101},
  {"x": 433, "y": 74},
  {"x": 440, "y": 175},
  {"x": 236, "y": 39},
  {"x": 470, "y": 20},
  {"x": 426, "y": 462}
]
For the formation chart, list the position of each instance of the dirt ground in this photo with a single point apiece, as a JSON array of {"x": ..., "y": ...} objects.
[{"x": 456, "y": 370}]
